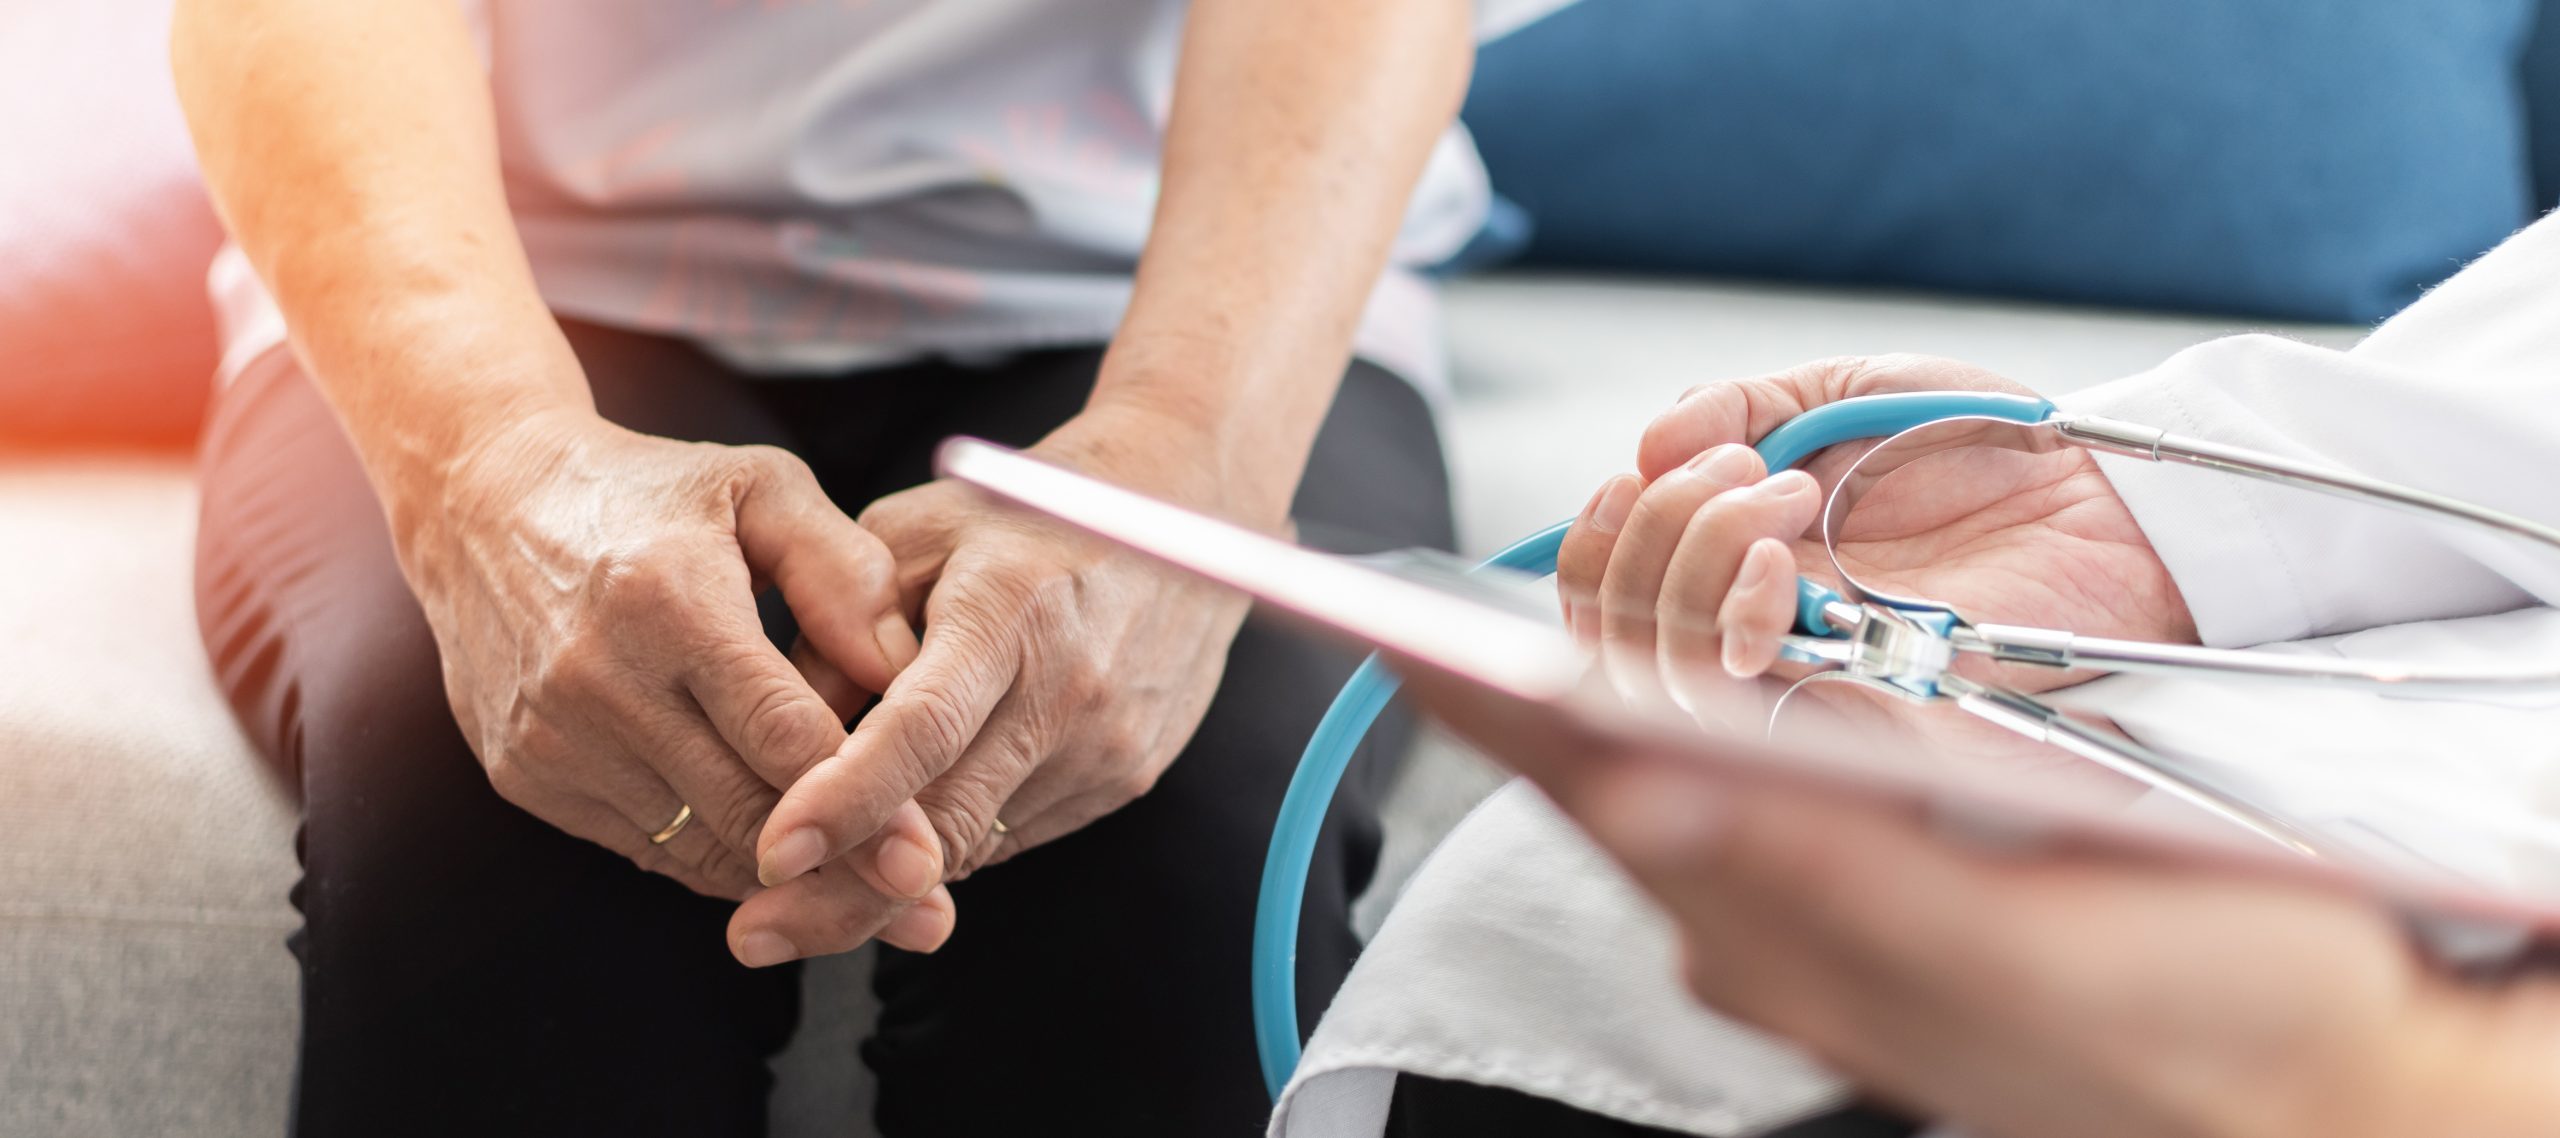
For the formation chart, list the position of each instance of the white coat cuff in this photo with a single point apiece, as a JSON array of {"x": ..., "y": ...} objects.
[{"x": 2218, "y": 534}]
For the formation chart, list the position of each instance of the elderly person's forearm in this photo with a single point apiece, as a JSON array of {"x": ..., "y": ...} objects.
[
  {"x": 1297, "y": 136},
  {"x": 591, "y": 589},
  {"x": 352, "y": 151}
]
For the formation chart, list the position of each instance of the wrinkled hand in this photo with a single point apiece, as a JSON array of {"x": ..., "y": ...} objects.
[
  {"x": 1059, "y": 675},
  {"x": 1692, "y": 563},
  {"x": 2040, "y": 993},
  {"x": 592, "y": 592}
]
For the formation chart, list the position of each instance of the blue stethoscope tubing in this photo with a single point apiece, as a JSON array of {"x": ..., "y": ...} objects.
[{"x": 1337, "y": 736}]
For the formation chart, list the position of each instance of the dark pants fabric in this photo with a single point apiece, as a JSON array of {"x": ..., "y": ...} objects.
[
  {"x": 469, "y": 970},
  {"x": 1446, "y": 1108}
]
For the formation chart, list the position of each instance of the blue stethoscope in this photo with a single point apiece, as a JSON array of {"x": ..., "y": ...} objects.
[{"x": 1905, "y": 646}]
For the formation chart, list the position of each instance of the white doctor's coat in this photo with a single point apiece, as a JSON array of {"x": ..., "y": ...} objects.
[{"x": 1520, "y": 957}]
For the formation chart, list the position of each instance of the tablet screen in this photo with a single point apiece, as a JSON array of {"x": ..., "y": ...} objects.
[{"x": 2441, "y": 805}]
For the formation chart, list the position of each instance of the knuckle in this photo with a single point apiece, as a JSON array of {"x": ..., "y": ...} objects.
[
  {"x": 1124, "y": 741},
  {"x": 955, "y": 819},
  {"x": 698, "y": 852},
  {"x": 573, "y": 665},
  {"x": 723, "y": 872},
  {"x": 937, "y": 729},
  {"x": 1080, "y": 686},
  {"x": 507, "y": 776},
  {"x": 873, "y": 568},
  {"x": 961, "y": 812},
  {"x": 741, "y": 803},
  {"x": 646, "y": 579},
  {"x": 656, "y": 859},
  {"x": 787, "y": 727},
  {"x": 760, "y": 463},
  {"x": 1131, "y": 783},
  {"x": 845, "y": 926},
  {"x": 532, "y": 739}
]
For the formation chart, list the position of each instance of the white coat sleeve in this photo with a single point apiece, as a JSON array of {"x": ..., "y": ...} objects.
[{"x": 2459, "y": 394}]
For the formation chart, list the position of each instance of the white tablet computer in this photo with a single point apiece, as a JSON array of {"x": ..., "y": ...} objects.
[{"x": 1485, "y": 639}]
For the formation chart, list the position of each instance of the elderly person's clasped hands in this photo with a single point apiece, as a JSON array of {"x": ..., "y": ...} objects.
[{"x": 608, "y": 661}]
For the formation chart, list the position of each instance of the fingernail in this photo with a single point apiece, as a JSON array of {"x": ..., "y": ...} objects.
[
  {"x": 922, "y": 927},
  {"x": 798, "y": 852},
  {"x": 762, "y": 949},
  {"x": 909, "y": 868},
  {"x": 1755, "y": 565},
  {"x": 1617, "y": 500},
  {"x": 1730, "y": 464},
  {"x": 1736, "y": 653},
  {"x": 1789, "y": 484},
  {"x": 897, "y": 641}
]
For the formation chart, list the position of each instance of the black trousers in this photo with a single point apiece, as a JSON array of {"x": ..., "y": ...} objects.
[
  {"x": 1443, "y": 1108},
  {"x": 466, "y": 969}
]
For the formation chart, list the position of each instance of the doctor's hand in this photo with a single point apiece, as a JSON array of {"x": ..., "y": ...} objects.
[
  {"x": 2043, "y": 993},
  {"x": 1059, "y": 676},
  {"x": 1692, "y": 562}
]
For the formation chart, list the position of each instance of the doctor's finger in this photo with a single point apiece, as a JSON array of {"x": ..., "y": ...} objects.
[
  {"x": 1773, "y": 888},
  {"x": 1584, "y": 555},
  {"x": 1759, "y": 609},
  {"x": 1708, "y": 564},
  {"x": 1631, "y": 587}
]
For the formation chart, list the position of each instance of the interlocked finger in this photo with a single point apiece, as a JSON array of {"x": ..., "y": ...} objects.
[
  {"x": 729, "y": 801},
  {"x": 923, "y": 724},
  {"x": 966, "y": 803},
  {"x": 691, "y": 856},
  {"x": 832, "y": 909}
]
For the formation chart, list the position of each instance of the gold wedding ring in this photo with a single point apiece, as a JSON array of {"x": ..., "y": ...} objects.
[{"x": 683, "y": 816}]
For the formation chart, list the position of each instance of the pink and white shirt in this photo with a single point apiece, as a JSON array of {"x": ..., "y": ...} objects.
[{"x": 817, "y": 185}]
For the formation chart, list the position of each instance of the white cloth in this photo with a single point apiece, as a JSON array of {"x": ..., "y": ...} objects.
[
  {"x": 2459, "y": 394},
  {"x": 811, "y": 187},
  {"x": 1519, "y": 957}
]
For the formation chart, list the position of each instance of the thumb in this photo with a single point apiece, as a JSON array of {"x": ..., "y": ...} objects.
[{"x": 839, "y": 580}]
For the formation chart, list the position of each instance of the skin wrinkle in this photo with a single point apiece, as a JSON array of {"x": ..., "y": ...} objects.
[{"x": 354, "y": 147}]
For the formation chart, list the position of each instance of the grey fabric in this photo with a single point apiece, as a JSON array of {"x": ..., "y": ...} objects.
[{"x": 144, "y": 987}]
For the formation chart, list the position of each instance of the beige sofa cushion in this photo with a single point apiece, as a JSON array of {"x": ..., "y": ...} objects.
[{"x": 143, "y": 856}]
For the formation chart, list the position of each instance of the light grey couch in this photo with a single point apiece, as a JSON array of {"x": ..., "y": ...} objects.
[{"x": 144, "y": 858}]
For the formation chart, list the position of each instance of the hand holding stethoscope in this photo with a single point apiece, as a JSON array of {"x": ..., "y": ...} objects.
[
  {"x": 1695, "y": 558},
  {"x": 1713, "y": 566},
  {"x": 2004, "y": 513}
]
